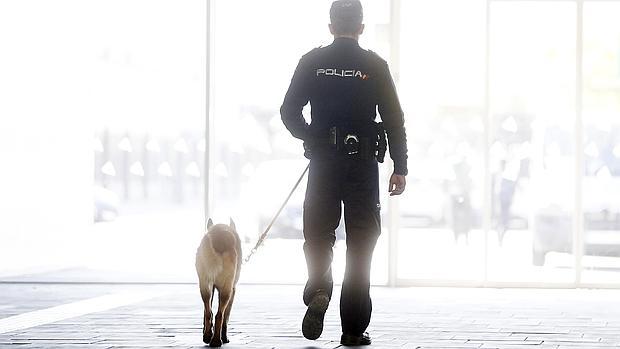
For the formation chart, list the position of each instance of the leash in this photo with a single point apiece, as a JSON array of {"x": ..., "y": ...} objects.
[{"x": 263, "y": 236}]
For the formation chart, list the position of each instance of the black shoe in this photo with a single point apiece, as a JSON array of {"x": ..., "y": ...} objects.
[
  {"x": 353, "y": 340},
  {"x": 312, "y": 326}
]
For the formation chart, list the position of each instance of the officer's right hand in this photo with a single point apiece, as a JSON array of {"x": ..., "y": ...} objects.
[
  {"x": 307, "y": 150},
  {"x": 397, "y": 184}
]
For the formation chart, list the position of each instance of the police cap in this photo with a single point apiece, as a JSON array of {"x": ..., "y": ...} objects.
[{"x": 346, "y": 11}]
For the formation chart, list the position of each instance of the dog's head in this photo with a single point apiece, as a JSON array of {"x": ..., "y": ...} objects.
[{"x": 231, "y": 225}]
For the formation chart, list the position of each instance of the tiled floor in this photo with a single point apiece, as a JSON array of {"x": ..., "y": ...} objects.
[{"x": 151, "y": 316}]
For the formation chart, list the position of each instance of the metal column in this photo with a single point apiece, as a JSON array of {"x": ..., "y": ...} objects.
[
  {"x": 578, "y": 208},
  {"x": 207, "y": 154},
  {"x": 488, "y": 192},
  {"x": 393, "y": 204}
]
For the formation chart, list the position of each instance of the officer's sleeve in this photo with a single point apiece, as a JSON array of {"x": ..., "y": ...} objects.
[
  {"x": 393, "y": 120},
  {"x": 296, "y": 98}
]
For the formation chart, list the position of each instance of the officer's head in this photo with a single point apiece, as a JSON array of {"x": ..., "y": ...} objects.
[{"x": 346, "y": 18}]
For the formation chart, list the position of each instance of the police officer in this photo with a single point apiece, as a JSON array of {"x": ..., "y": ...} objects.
[{"x": 345, "y": 86}]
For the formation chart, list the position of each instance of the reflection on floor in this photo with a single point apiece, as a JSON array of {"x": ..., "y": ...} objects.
[{"x": 132, "y": 316}]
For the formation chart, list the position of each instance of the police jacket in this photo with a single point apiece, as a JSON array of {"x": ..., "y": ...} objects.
[{"x": 345, "y": 85}]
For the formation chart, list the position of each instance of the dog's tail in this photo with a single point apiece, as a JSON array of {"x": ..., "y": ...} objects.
[{"x": 222, "y": 241}]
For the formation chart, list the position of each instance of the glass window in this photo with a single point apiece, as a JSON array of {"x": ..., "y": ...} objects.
[
  {"x": 137, "y": 84},
  {"x": 532, "y": 70},
  {"x": 601, "y": 135},
  {"x": 148, "y": 110},
  {"x": 45, "y": 136},
  {"x": 442, "y": 66}
]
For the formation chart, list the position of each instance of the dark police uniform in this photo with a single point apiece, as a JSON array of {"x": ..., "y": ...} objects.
[{"x": 345, "y": 86}]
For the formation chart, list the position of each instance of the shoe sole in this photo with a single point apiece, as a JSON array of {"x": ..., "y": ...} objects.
[
  {"x": 354, "y": 341},
  {"x": 312, "y": 326}
]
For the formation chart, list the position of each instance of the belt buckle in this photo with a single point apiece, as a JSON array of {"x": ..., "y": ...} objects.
[{"x": 351, "y": 144}]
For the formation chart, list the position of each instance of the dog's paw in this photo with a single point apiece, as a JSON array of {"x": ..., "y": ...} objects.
[
  {"x": 206, "y": 338},
  {"x": 225, "y": 339},
  {"x": 215, "y": 342}
]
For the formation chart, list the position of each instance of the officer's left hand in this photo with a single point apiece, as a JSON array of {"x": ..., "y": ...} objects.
[{"x": 397, "y": 184}]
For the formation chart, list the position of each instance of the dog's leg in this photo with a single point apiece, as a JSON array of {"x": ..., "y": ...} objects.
[
  {"x": 206, "y": 294},
  {"x": 224, "y": 299},
  {"x": 227, "y": 316}
]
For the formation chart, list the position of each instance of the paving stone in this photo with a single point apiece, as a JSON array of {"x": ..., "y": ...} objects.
[{"x": 270, "y": 317}]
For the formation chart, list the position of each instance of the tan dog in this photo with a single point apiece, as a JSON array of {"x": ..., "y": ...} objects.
[{"x": 218, "y": 263}]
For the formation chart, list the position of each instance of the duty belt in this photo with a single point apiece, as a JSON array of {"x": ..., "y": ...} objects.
[{"x": 352, "y": 143}]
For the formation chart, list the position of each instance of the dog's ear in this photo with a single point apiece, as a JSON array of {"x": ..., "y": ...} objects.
[
  {"x": 232, "y": 225},
  {"x": 209, "y": 224}
]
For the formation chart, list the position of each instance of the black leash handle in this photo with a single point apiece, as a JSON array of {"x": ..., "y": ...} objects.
[{"x": 261, "y": 239}]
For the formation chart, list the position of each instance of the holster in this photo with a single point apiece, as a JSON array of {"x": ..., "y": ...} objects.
[{"x": 381, "y": 142}]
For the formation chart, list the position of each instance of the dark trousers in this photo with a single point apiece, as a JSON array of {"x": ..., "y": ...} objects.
[{"x": 333, "y": 181}]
